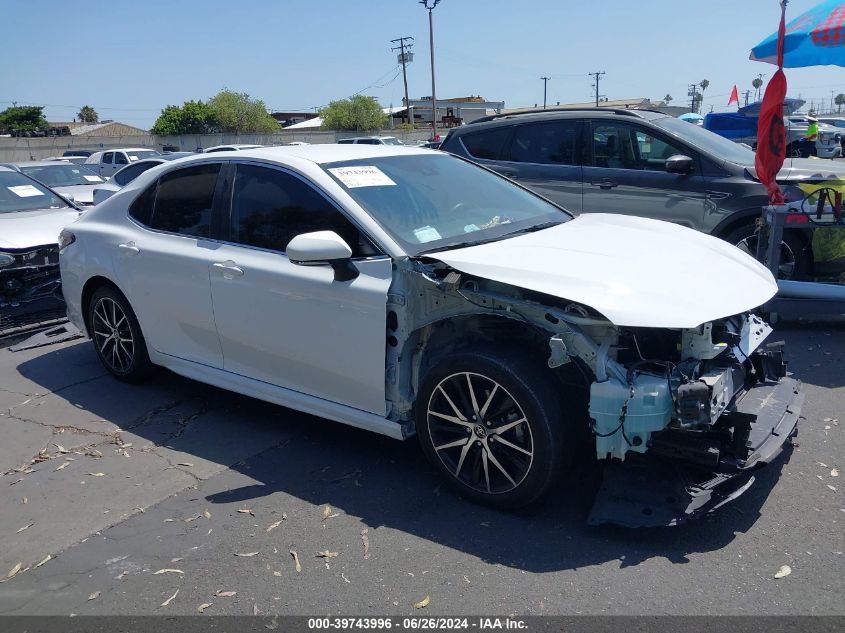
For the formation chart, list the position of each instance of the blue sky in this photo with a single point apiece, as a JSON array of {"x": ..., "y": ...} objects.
[{"x": 129, "y": 60}]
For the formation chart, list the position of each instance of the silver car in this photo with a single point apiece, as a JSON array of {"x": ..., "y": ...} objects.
[
  {"x": 75, "y": 182},
  {"x": 31, "y": 217}
]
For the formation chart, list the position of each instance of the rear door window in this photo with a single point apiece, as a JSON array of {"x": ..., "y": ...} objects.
[
  {"x": 552, "y": 143},
  {"x": 107, "y": 158},
  {"x": 185, "y": 199},
  {"x": 120, "y": 159},
  {"x": 486, "y": 144}
]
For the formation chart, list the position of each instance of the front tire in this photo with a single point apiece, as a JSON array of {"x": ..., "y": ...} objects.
[
  {"x": 117, "y": 336},
  {"x": 795, "y": 257},
  {"x": 490, "y": 422}
]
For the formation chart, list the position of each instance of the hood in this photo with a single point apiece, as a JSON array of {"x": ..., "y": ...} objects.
[
  {"x": 636, "y": 272},
  {"x": 25, "y": 229},
  {"x": 82, "y": 194},
  {"x": 801, "y": 169}
]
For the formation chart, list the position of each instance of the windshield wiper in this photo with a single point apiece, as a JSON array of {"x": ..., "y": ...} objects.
[{"x": 532, "y": 229}]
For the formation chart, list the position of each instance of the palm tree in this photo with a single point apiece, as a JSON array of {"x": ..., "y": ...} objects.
[
  {"x": 839, "y": 101},
  {"x": 87, "y": 114},
  {"x": 703, "y": 85},
  {"x": 667, "y": 98},
  {"x": 756, "y": 84}
]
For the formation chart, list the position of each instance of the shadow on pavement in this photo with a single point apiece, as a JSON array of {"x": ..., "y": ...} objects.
[{"x": 389, "y": 483}]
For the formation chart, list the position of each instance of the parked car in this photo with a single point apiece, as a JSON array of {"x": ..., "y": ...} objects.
[
  {"x": 643, "y": 163},
  {"x": 74, "y": 182},
  {"x": 409, "y": 291},
  {"x": 107, "y": 162},
  {"x": 76, "y": 160},
  {"x": 742, "y": 128},
  {"x": 130, "y": 172},
  {"x": 229, "y": 148},
  {"x": 837, "y": 122},
  {"x": 78, "y": 152},
  {"x": 31, "y": 217},
  {"x": 371, "y": 140}
]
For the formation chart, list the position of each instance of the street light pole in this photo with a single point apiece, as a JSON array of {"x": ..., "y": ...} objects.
[
  {"x": 430, "y": 5},
  {"x": 545, "y": 83}
]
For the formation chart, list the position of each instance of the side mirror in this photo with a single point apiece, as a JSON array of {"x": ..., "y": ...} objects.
[
  {"x": 323, "y": 247},
  {"x": 679, "y": 164}
]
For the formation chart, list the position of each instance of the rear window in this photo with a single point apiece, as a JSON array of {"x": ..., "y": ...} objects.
[{"x": 487, "y": 144}]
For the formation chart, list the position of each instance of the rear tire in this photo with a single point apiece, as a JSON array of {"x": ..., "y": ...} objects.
[
  {"x": 491, "y": 424},
  {"x": 796, "y": 260},
  {"x": 117, "y": 336}
]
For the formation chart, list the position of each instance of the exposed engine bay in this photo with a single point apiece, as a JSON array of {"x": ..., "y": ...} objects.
[
  {"x": 30, "y": 286},
  {"x": 675, "y": 414}
]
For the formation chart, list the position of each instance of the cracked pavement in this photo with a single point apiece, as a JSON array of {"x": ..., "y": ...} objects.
[{"x": 116, "y": 482}]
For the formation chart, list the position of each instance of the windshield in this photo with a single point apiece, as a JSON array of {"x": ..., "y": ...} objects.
[
  {"x": 61, "y": 175},
  {"x": 141, "y": 154},
  {"x": 21, "y": 193},
  {"x": 717, "y": 146},
  {"x": 431, "y": 202}
]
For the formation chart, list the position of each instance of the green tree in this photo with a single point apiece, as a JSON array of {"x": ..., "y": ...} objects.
[
  {"x": 193, "y": 117},
  {"x": 839, "y": 101},
  {"x": 359, "y": 113},
  {"x": 23, "y": 118},
  {"x": 237, "y": 113},
  {"x": 667, "y": 98},
  {"x": 87, "y": 114}
]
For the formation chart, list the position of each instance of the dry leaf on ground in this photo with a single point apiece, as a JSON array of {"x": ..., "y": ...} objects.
[
  {"x": 170, "y": 599},
  {"x": 48, "y": 557},
  {"x": 14, "y": 570},
  {"x": 207, "y": 514},
  {"x": 834, "y": 472},
  {"x": 273, "y": 526},
  {"x": 25, "y": 527},
  {"x": 327, "y": 511},
  {"x": 203, "y": 606},
  {"x": 94, "y": 595},
  {"x": 225, "y": 594},
  {"x": 783, "y": 572},
  {"x": 422, "y": 604},
  {"x": 62, "y": 465},
  {"x": 168, "y": 571},
  {"x": 295, "y": 560},
  {"x": 96, "y": 474},
  {"x": 245, "y": 554},
  {"x": 246, "y": 511},
  {"x": 366, "y": 541},
  {"x": 325, "y": 554}
]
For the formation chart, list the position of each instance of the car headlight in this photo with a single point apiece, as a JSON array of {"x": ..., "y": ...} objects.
[{"x": 6, "y": 260}]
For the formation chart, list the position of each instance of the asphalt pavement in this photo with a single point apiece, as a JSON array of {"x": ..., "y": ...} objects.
[{"x": 173, "y": 497}]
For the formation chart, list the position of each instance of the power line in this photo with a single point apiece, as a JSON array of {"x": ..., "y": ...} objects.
[{"x": 598, "y": 76}]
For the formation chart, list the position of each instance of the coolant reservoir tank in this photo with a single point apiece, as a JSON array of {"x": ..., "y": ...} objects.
[{"x": 649, "y": 409}]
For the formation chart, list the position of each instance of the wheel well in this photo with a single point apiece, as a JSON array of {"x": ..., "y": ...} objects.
[{"x": 91, "y": 286}]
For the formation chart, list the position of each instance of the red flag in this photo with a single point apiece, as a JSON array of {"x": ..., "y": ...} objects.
[
  {"x": 771, "y": 133},
  {"x": 734, "y": 96}
]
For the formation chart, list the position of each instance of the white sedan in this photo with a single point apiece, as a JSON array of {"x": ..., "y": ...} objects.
[{"x": 406, "y": 291}]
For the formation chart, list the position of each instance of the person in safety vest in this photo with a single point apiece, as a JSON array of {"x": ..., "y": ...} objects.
[{"x": 809, "y": 140}]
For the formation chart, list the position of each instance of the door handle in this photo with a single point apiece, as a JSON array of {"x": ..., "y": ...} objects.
[
  {"x": 607, "y": 183},
  {"x": 228, "y": 267},
  {"x": 130, "y": 247}
]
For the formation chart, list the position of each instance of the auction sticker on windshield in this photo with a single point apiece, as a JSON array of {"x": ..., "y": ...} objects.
[
  {"x": 93, "y": 178},
  {"x": 25, "y": 191},
  {"x": 362, "y": 176}
]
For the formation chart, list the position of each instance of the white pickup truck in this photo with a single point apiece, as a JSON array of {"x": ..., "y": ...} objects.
[{"x": 105, "y": 163}]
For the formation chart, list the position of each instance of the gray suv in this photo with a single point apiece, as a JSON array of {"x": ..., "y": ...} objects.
[{"x": 644, "y": 163}]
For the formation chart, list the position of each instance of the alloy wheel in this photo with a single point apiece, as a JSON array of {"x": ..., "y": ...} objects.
[
  {"x": 112, "y": 335},
  {"x": 786, "y": 266},
  {"x": 480, "y": 433}
]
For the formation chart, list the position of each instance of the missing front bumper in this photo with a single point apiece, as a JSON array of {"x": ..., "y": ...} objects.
[{"x": 649, "y": 491}]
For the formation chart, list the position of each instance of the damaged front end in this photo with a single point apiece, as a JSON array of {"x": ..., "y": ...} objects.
[
  {"x": 679, "y": 416},
  {"x": 706, "y": 413},
  {"x": 30, "y": 287}
]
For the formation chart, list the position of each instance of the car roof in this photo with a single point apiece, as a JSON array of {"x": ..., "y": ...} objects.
[
  {"x": 566, "y": 113},
  {"x": 39, "y": 163},
  {"x": 328, "y": 152}
]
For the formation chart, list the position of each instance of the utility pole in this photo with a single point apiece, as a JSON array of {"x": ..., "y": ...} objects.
[
  {"x": 430, "y": 6},
  {"x": 404, "y": 58},
  {"x": 692, "y": 93},
  {"x": 597, "y": 75},
  {"x": 546, "y": 83},
  {"x": 747, "y": 94}
]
